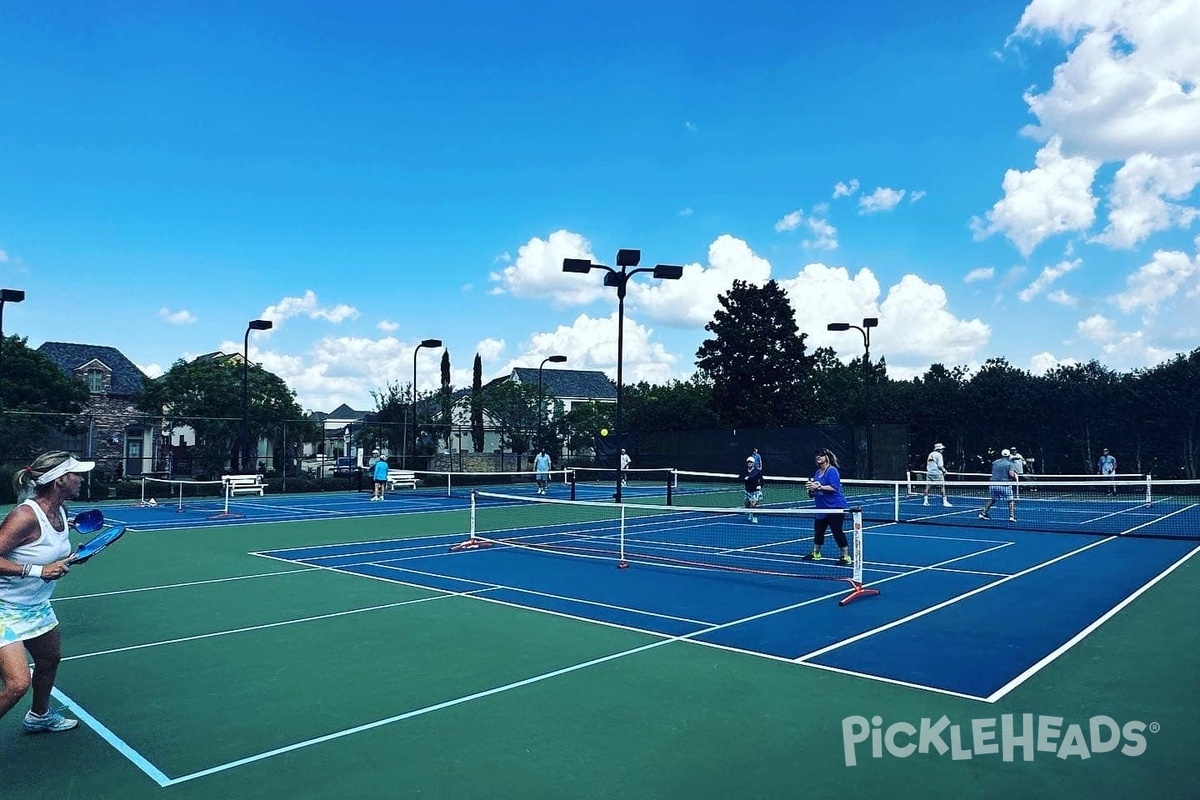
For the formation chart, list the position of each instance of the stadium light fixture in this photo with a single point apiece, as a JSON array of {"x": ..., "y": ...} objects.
[
  {"x": 244, "y": 449},
  {"x": 541, "y": 401},
  {"x": 865, "y": 330},
  {"x": 424, "y": 343},
  {"x": 619, "y": 279}
]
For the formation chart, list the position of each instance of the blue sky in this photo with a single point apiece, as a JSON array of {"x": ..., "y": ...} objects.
[{"x": 989, "y": 179}]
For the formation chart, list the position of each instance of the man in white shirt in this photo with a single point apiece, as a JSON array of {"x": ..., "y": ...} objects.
[{"x": 935, "y": 472}]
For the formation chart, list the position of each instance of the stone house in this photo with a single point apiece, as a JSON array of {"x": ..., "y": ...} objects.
[{"x": 110, "y": 429}]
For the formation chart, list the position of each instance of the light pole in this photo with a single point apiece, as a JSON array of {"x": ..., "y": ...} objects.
[
  {"x": 243, "y": 444},
  {"x": 865, "y": 330},
  {"x": 7, "y": 296},
  {"x": 620, "y": 279},
  {"x": 424, "y": 343},
  {"x": 541, "y": 402}
]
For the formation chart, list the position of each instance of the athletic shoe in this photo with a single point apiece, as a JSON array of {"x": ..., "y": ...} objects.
[
  {"x": 1012, "y": 519},
  {"x": 845, "y": 561},
  {"x": 926, "y": 502},
  {"x": 50, "y": 722},
  {"x": 754, "y": 520},
  {"x": 984, "y": 516},
  {"x": 946, "y": 503},
  {"x": 814, "y": 556}
]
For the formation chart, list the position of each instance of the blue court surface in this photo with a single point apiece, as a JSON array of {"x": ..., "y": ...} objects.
[{"x": 966, "y": 611}]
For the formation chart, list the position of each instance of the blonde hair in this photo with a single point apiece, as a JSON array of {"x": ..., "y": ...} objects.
[{"x": 25, "y": 479}]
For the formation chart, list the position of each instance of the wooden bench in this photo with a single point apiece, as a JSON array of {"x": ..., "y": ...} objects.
[
  {"x": 401, "y": 477},
  {"x": 244, "y": 484}
]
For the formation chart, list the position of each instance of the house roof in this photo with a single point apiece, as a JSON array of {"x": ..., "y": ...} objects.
[
  {"x": 127, "y": 379},
  {"x": 569, "y": 383}
]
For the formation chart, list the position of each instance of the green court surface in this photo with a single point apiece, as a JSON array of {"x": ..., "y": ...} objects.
[{"x": 207, "y": 672}]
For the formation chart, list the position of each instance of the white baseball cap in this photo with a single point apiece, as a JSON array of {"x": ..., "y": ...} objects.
[
  {"x": 939, "y": 446},
  {"x": 1005, "y": 453}
]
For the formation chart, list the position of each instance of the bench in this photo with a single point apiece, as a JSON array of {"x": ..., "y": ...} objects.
[
  {"x": 401, "y": 477},
  {"x": 244, "y": 484}
]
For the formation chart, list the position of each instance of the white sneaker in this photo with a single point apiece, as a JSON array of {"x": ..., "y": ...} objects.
[
  {"x": 946, "y": 503},
  {"x": 50, "y": 722},
  {"x": 1012, "y": 519},
  {"x": 926, "y": 502}
]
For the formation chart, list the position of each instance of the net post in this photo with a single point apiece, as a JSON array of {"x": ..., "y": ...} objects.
[
  {"x": 473, "y": 541},
  {"x": 672, "y": 480},
  {"x": 857, "y": 589},
  {"x": 227, "y": 486},
  {"x": 895, "y": 504},
  {"x": 573, "y": 479},
  {"x": 1149, "y": 491},
  {"x": 622, "y": 564}
]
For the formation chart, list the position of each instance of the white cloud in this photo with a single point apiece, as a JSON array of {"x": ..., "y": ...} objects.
[
  {"x": 789, "y": 222},
  {"x": 691, "y": 301},
  {"x": 980, "y": 274},
  {"x": 916, "y": 195},
  {"x": 916, "y": 326},
  {"x": 686, "y": 212},
  {"x": 387, "y": 326},
  {"x": 1140, "y": 193},
  {"x": 882, "y": 199},
  {"x": 181, "y": 317},
  {"x": 845, "y": 189},
  {"x": 824, "y": 235},
  {"x": 308, "y": 306},
  {"x": 1128, "y": 85},
  {"x": 1048, "y": 276},
  {"x": 537, "y": 272},
  {"x": 1054, "y": 197},
  {"x": 1062, "y": 298},
  {"x": 590, "y": 343},
  {"x": 1097, "y": 328},
  {"x": 489, "y": 350},
  {"x": 1168, "y": 274},
  {"x": 1042, "y": 363},
  {"x": 3, "y": 257},
  {"x": 151, "y": 370}
]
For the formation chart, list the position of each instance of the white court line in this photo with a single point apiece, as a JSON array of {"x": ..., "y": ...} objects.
[
  {"x": 118, "y": 744},
  {"x": 266, "y": 625},
  {"x": 182, "y": 585},
  {"x": 486, "y": 693},
  {"x": 949, "y": 602}
]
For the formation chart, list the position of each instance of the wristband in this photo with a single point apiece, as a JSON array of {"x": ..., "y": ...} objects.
[{"x": 35, "y": 570}]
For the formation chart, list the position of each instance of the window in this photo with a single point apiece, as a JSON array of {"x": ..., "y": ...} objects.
[{"x": 95, "y": 381}]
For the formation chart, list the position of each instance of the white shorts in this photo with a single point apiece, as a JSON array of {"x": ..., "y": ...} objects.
[
  {"x": 753, "y": 499},
  {"x": 19, "y": 623},
  {"x": 935, "y": 477}
]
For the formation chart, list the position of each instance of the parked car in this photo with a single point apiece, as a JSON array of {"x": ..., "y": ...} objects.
[{"x": 345, "y": 466}]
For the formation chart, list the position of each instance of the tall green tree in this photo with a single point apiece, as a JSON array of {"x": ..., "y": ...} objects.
[
  {"x": 756, "y": 361},
  {"x": 446, "y": 396},
  {"x": 36, "y": 399},
  {"x": 207, "y": 396},
  {"x": 391, "y": 411},
  {"x": 584, "y": 422},
  {"x": 673, "y": 406},
  {"x": 513, "y": 408},
  {"x": 477, "y": 405}
]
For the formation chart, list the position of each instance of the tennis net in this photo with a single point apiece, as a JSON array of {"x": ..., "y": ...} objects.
[
  {"x": 598, "y": 483},
  {"x": 767, "y": 542},
  {"x": 182, "y": 495},
  {"x": 462, "y": 484}
]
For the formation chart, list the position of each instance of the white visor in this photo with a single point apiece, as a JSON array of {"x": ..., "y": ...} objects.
[{"x": 70, "y": 465}]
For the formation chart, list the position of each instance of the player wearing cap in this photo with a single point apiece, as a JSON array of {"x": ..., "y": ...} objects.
[
  {"x": 1003, "y": 478},
  {"x": 625, "y": 462},
  {"x": 935, "y": 472},
  {"x": 1107, "y": 466},
  {"x": 752, "y": 481},
  {"x": 379, "y": 472}
]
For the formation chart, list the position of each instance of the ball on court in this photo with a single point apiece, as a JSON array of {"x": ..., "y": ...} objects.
[{"x": 604, "y": 431}]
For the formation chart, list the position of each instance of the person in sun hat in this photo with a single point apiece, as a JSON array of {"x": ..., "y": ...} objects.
[
  {"x": 1001, "y": 488},
  {"x": 935, "y": 473},
  {"x": 752, "y": 482},
  {"x": 35, "y": 546}
]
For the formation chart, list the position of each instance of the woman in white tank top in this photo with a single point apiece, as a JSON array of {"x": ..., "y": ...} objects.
[{"x": 34, "y": 547}]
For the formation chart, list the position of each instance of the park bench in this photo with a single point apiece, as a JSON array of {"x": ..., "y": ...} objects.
[
  {"x": 401, "y": 477},
  {"x": 244, "y": 484}
]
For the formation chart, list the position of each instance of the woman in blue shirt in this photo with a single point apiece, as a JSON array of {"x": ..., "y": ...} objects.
[{"x": 825, "y": 487}]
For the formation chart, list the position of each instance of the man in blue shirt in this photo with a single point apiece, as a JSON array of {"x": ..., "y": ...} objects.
[{"x": 1003, "y": 478}]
